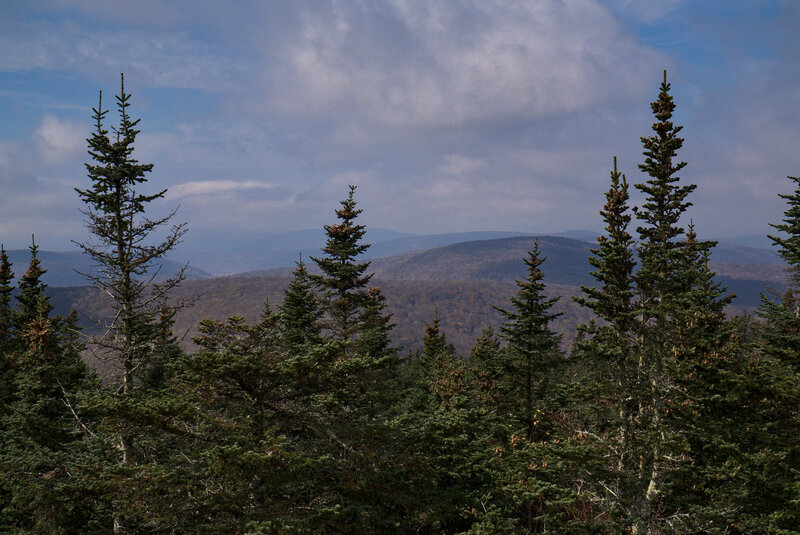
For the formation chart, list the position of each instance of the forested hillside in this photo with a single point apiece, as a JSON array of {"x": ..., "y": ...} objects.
[{"x": 551, "y": 386}]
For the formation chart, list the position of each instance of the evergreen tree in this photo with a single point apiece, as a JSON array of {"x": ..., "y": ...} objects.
[
  {"x": 607, "y": 356},
  {"x": 782, "y": 332},
  {"x": 661, "y": 282},
  {"x": 434, "y": 341},
  {"x": 774, "y": 397},
  {"x": 663, "y": 327},
  {"x": 789, "y": 246},
  {"x": 122, "y": 249},
  {"x": 343, "y": 283},
  {"x": 613, "y": 261},
  {"x": 661, "y": 257},
  {"x": 7, "y": 387},
  {"x": 300, "y": 312},
  {"x": 445, "y": 434},
  {"x": 376, "y": 325},
  {"x": 486, "y": 356},
  {"x": 42, "y": 453},
  {"x": 6, "y": 327},
  {"x": 6, "y": 313},
  {"x": 533, "y": 347},
  {"x": 33, "y": 302}
]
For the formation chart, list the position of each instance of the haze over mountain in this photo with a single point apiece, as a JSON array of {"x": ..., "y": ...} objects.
[
  {"x": 262, "y": 250},
  {"x": 68, "y": 268},
  {"x": 463, "y": 279},
  {"x": 224, "y": 253},
  {"x": 491, "y": 255}
]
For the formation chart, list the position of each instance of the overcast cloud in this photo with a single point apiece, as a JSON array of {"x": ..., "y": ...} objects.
[{"x": 448, "y": 115}]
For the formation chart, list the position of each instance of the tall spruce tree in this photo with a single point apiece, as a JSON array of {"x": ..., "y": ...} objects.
[
  {"x": 782, "y": 332},
  {"x": 774, "y": 489},
  {"x": 613, "y": 261},
  {"x": 122, "y": 247},
  {"x": 607, "y": 355},
  {"x": 661, "y": 281},
  {"x": 661, "y": 255},
  {"x": 533, "y": 347},
  {"x": 354, "y": 313},
  {"x": 343, "y": 283},
  {"x": 672, "y": 282}
]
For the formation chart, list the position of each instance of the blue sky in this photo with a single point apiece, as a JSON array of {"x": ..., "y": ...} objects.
[{"x": 448, "y": 115}]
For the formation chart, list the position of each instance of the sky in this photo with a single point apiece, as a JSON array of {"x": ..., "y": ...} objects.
[{"x": 448, "y": 115}]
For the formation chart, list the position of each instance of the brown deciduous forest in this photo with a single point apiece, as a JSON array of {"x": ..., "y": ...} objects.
[{"x": 640, "y": 406}]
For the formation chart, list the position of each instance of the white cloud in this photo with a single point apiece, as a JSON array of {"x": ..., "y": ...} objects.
[
  {"x": 513, "y": 59},
  {"x": 567, "y": 163},
  {"x": 159, "y": 58},
  {"x": 205, "y": 187},
  {"x": 59, "y": 139},
  {"x": 646, "y": 10},
  {"x": 459, "y": 164}
]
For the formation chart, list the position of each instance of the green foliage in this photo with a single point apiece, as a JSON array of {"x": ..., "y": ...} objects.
[
  {"x": 533, "y": 356},
  {"x": 46, "y": 486},
  {"x": 789, "y": 245},
  {"x": 447, "y": 431},
  {"x": 773, "y": 422},
  {"x": 660, "y": 252},
  {"x": 343, "y": 283},
  {"x": 613, "y": 261},
  {"x": 122, "y": 232},
  {"x": 6, "y": 314},
  {"x": 32, "y": 298},
  {"x": 300, "y": 311},
  {"x": 136, "y": 342}
]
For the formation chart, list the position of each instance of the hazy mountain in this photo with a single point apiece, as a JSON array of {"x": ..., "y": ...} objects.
[
  {"x": 743, "y": 254},
  {"x": 461, "y": 280},
  {"x": 416, "y": 243},
  {"x": 759, "y": 241},
  {"x": 227, "y": 253},
  {"x": 579, "y": 234},
  {"x": 65, "y": 269},
  {"x": 224, "y": 241},
  {"x": 498, "y": 259}
]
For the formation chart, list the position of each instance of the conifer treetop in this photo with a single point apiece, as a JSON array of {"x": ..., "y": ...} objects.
[
  {"x": 613, "y": 259},
  {"x": 343, "y": 283},
  {"x": 527, "y": 324},
  {"x": 665, "y": 199},
  {"x": 789, "y": 246}
]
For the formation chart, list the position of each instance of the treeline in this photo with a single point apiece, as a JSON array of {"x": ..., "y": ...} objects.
[{"x": 663, "y": 417}]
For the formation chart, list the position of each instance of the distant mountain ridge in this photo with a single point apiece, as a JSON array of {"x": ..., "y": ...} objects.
[
  {"x": 462, "y": 280},
  {"x": 491, "y": 255},
  {"x": 67, "y": 268}
]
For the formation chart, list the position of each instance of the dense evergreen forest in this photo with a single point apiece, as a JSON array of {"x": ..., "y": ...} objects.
[{"x": 664, "y": 416}]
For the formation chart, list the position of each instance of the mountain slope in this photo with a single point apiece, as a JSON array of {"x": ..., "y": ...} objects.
[{"x": 498, "y": 259}]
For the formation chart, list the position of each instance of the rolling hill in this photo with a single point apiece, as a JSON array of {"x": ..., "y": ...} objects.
[{"x": 462, "y": 281}]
